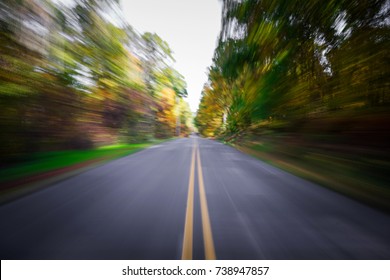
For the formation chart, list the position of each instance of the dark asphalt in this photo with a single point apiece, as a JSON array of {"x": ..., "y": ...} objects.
[{"x": 134, "y": 208}]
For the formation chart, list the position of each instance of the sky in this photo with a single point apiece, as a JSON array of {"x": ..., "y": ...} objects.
[{"x": 190, "y": 27}]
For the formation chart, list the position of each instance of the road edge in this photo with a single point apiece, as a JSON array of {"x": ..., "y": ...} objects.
[{"x": 24, "y": 189}]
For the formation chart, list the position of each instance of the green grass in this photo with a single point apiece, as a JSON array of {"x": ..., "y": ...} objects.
[{"x": 48, "y": 161}]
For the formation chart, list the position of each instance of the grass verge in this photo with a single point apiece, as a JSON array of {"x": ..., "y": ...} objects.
[
  {"x": 49, "y": 161},
  {"x": 44, "y": 162},
  {"x": 45, "y": 169}
]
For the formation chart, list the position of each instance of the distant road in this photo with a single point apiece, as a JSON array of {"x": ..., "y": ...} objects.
[{"x": 190, "y": 198}]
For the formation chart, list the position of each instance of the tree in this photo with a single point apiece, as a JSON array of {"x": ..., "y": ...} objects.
[{"x": 294, "y": 60}]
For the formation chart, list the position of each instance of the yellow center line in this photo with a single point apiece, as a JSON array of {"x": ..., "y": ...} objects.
[
  {"x": 188, "y": 227},
  {"x": 206, "y": 225}
]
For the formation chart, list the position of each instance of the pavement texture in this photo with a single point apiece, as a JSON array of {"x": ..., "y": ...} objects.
[{"x": 190, "y": 198}]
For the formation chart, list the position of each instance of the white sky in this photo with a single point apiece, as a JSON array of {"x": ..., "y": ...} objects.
[{"x": 190, "y": 27}]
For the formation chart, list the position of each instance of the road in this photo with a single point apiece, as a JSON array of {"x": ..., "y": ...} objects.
[{"x": 190, "y": 198}]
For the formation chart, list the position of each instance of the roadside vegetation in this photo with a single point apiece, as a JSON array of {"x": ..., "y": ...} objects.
[
  {"x": 305, "y": 86},
  {"x": 79, "y": 86},
  {"x": 75, "y": 75},
  {"x": 45, "y": 162}
]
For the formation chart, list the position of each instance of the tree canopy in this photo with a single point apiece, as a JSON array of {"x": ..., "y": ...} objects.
[
  {"x": 75, "y": 76},
  {"x": 289, "y": 60}
]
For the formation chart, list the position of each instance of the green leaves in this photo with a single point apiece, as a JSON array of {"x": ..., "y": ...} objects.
[
  {"x": 72, "y": 77},
  {"x": 291, "y": 60}
]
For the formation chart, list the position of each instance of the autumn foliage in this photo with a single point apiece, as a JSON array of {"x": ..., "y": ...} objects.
[{"x": 76, "y": 76}]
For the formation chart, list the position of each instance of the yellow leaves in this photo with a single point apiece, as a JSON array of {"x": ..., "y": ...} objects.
[
  {"x": 209, "y": 117},
  {"x": 166, "y": 108},
  {"x": 108, "y": 83},
  {"x": 135, "y": 70},
  {"x": 168, "y": 95}
]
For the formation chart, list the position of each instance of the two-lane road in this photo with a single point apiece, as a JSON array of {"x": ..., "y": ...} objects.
[{"x": 190, "y": 198}]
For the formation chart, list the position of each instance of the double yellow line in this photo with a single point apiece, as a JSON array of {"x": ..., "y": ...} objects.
[{"x": 189, "y": 221}]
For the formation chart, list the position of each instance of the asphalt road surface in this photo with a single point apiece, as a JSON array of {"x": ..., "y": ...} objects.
[{"x": 190, "y": 198}]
